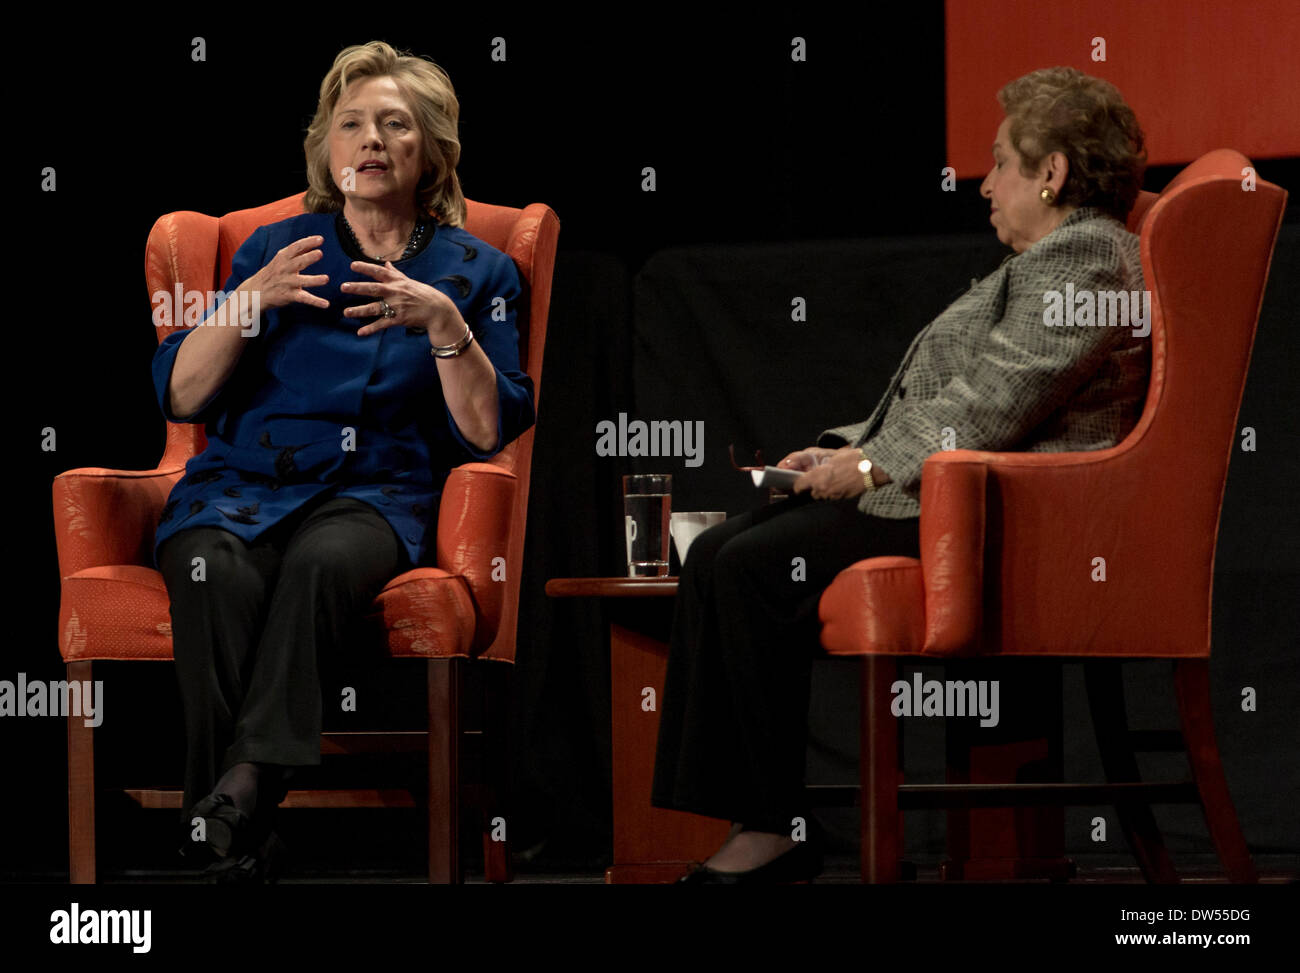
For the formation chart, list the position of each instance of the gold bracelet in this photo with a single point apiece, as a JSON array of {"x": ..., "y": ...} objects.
[{"x": 451, "y": 351}]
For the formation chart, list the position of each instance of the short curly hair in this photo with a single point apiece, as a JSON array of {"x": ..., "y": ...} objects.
[
  {"x": 1064, "y": 110},
  {"x": 437, "y": 112}
]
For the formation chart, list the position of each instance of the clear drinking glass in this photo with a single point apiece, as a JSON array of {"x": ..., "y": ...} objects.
[{"x": 647, "y": 509}]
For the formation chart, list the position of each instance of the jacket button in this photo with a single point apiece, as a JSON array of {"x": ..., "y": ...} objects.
[{"x": 902, "y": 391}]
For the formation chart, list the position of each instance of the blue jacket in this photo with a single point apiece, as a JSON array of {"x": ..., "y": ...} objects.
[{"x": 313, "y": 409}]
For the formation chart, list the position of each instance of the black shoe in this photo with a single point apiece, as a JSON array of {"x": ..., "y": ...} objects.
[
  {"x": 226, "y": 828},
  {"x": 230, "y": 833},
  {"x": 802, "y": 863},
  {"x": 262, "y": 867}
]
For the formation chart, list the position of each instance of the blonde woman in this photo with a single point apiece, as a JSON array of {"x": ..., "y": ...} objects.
[{"x": 386, "y": 354}]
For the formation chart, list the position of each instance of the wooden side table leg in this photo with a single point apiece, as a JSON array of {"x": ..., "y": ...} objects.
[{"x": 650, "y": 844}]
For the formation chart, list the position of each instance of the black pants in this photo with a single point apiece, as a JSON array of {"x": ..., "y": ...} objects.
[
  {"x": 250, "y": 637},
  {"x": 733, "y": 721}
]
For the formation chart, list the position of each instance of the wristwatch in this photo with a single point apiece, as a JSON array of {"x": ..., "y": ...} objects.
[{"x": 864, "y": 467}]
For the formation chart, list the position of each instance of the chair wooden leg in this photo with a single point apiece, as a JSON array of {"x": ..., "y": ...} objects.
[
  {"x": 1105, "y": 682},
  {"x": 879, "y": 769},
  {"x": 81, "y": 790},
  {"x": 496, "y": 772},
  {"x": 1192, "y": 688},
  {"x": 445, "y": 681}
]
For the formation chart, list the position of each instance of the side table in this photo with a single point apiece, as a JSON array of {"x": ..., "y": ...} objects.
[{"x": 650, "y": 844}]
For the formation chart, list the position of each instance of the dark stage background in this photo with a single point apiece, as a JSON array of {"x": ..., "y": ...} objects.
[{"x": 774, "y": 179}]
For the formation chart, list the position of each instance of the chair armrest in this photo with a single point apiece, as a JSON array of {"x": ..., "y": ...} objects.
[
  {"x": 957, "y": 487},
  {"x": 106, "y": 517},
  {"x": 473, "y": 531},
  {"x": 952, "y": 551}
]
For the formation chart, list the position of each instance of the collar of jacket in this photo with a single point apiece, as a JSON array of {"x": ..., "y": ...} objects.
[
  {"x": 1080, "y": 215},
  {"x": 1083, "y": 213}
]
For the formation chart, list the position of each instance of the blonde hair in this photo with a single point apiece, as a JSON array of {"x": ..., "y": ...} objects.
[
  {"x": 1086, "y": 118},
  {"x": 428, "y": 90}
]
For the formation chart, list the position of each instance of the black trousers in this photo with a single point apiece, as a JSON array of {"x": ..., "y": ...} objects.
[
  {"x": 733, "y": 723},
  {"x": 252, "y": 631}
]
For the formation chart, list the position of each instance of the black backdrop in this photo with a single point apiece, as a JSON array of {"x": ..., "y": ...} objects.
[{"x": 773, "y": 178}]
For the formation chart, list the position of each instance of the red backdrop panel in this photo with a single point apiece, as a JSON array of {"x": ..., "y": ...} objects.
[{"x": 1201, "y": 75}]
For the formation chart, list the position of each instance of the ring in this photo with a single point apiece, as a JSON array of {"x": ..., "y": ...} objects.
[{"x": 388, "y": 311}]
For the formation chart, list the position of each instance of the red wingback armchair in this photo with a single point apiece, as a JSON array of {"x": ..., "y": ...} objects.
[
  {"x": 1008, "y": 542},
  {"x": 114, "y": 604}
]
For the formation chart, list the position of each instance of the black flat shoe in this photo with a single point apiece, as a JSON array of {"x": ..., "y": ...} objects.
[
  {"x": 263, "y": 867},
  {"x": 230, "y": 833},
  {"x": 802, "y": 863},
  {"x": 227, "y": 829}
]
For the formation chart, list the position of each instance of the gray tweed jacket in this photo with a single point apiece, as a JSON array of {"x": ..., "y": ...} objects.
[{"x": 990, "y": 373}]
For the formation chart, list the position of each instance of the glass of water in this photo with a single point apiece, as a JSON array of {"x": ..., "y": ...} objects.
[{"x": 647, "y": 509}]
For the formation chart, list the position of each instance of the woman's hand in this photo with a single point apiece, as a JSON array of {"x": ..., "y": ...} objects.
[
  {"x": 835, "y": 477},
  {"x": 805, "y": 459},
  {"x": 282, "y": 280},
  {"x": 417, "y": 304},
  {"x": 469, "y": 380}
]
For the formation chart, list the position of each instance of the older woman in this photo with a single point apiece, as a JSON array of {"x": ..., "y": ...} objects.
[
  {"x": 386, "y": 354},
  {"x": 986, "y": 374}
]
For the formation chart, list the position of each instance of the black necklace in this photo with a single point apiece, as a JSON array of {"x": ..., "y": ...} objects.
[{"x": 412, "y": 245}]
